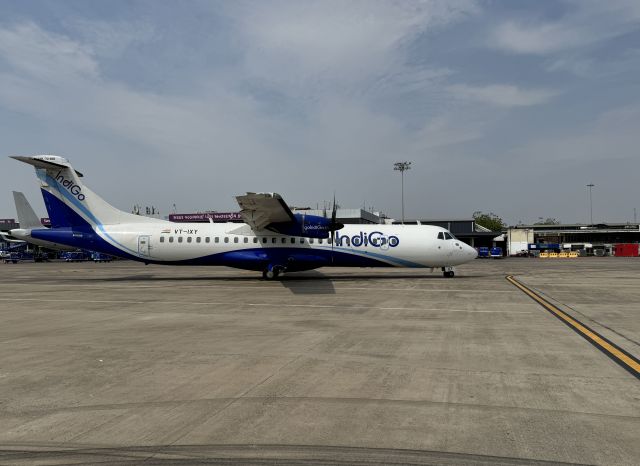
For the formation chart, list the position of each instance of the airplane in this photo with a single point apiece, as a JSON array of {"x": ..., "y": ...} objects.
[
  {"x": 272, "y": 240},
  {"x": 29, "y": 222}
]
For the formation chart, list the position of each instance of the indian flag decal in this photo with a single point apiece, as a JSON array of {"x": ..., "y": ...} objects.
[{"x": 166, "y": 230}]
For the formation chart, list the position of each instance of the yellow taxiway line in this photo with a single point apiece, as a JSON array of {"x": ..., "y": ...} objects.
[{"x": 620, "y": 356}]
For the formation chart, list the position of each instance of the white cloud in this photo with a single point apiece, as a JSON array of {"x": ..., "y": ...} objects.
[
  {"x": 586, "y": 22},
  {"x": 502, "y": 95},
  {"x": 109, "y": 39},
  {"x": 539, "y": 38},
  {"x": 317, "y": 46},
  {"x": 45, "y": 56},
  {"x": 613, "y": 135},
  {"x": 57, "y": 80},
  {"x": 583, "y": 67}
]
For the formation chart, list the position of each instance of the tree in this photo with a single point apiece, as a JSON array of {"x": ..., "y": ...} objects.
[
  {"x": 548, "y": 221},
  {"x": 490, "y": 220}
]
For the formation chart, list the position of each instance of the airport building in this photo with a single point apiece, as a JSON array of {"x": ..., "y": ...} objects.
[{"x": 599, "y": 239}]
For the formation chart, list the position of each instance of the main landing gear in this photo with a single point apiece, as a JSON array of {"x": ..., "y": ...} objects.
[
  {"x": 273, "y": 272},
  {"x": 448, "y": 272}
]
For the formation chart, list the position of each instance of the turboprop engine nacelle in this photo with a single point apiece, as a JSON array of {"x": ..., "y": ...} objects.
[{"x": 309, "y": 226}]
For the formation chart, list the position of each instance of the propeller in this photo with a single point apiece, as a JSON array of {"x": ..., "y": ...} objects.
[{"x": 334, "y": 225}]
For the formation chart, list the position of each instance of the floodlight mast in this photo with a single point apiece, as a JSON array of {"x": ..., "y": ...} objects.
[
  {"x": 590, "y": 185},
  {"x": 402, "y": 167}
]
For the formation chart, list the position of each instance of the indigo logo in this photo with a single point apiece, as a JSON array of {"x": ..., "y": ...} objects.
[
  {"x": 375, "y": 239},
  {"x": 71, "y": 186}
]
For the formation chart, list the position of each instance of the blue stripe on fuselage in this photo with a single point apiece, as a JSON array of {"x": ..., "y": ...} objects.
[
  {"x": 98, "y": 224},
  {"x": 383, "y": 257},
  {"x": 85, "y": 236},
  {"x": 294, "y": 259}
]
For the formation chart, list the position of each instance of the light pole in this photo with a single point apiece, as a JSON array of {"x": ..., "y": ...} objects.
[
  {"x": 402, "y": 167},
  {"x": 590, "y": 185}
]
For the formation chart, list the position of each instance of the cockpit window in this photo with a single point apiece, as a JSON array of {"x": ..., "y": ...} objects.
[
  {"x": 447, "y": 235},
  {"x": 440, "y": 235}
]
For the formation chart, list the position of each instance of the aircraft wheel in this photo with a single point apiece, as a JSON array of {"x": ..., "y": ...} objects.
[
  {"x": 448, "y": 274},
  {"x": 270, "y": 274}
]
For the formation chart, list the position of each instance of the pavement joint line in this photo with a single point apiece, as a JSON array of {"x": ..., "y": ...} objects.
[
  {"x": 324, "y": 306},
  {"x": 321, "y": 399},
  {"x": 621, "y": 357}
]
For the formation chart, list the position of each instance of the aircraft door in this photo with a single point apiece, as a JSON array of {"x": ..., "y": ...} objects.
[{"x": 143, "y": 245}]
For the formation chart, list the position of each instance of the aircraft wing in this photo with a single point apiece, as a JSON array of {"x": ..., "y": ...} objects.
[{"x": 259, "y": 210}]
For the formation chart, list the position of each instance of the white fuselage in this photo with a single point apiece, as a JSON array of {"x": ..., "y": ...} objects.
[{"x": 391, "y": 245}]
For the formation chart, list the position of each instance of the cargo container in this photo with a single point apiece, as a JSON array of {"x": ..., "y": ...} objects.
[{"x": 626, "y": 250}]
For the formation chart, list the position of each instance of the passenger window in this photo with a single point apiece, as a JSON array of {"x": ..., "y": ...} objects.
[
  {"x": 440, "y": 235},
  {"x": 293, "y": 240},
  {"x": 198, "y": 239},
  {"x": 329, "y": 241},
  {"x": 284, "y": 240},
  {"x": 255, "y": 239},
  {"x": 301, "y": 240},
  {"x": 171, "y": 239},
  {"x": 310, "y": 240},
  {"x": 320, "y": 241},
  {"x": 179, "y": 239},
  {"x": 216, "y": 240},
  {"x": 226, "y": 239},
  {"x": 162, "y": 239},
  {"x": 264, "y": 240},
  {"x": 246, "y": 239},
  {"x": 383, "y": 241},
  {"x": 274, "y": 240},
  {"x": 347, "y": 241},
  {"x": 236, "y": 239},
  {"x": 189, "y": 239},
  {"x": 207, "y": 240}
]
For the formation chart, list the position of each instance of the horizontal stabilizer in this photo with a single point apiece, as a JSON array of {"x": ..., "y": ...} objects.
[{"x": 44, "y": 161}]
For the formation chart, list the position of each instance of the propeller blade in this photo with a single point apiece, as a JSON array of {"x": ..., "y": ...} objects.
[{"x": 332, "y": 225}]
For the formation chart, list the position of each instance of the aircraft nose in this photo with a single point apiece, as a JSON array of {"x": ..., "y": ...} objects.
[{"x": 471, "y": 252}]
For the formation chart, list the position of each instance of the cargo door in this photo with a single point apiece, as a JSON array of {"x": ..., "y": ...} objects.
[{"x": 143, "y": 246}]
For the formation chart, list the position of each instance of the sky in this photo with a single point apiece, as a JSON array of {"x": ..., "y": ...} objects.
[{"x": 501, "y": 106}]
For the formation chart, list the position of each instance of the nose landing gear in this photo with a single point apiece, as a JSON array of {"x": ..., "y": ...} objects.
[{"x": 448, "y": 272}]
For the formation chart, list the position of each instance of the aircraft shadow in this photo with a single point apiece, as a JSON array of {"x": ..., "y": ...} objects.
[
  {"x": 310, "y": 283},
  {"x": 298, "y": 283}
]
